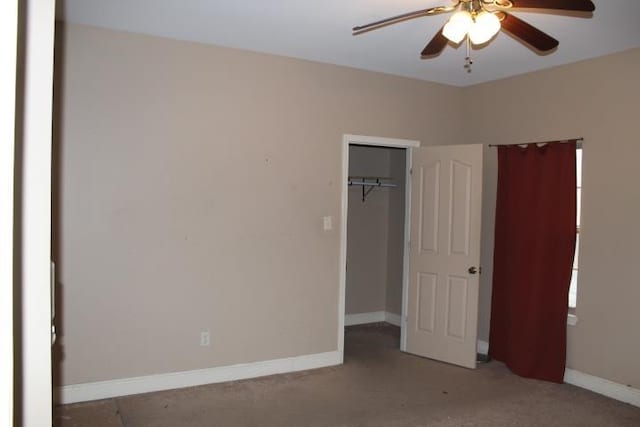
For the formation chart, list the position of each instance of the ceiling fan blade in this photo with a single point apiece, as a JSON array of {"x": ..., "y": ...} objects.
[
  {"x": 435, "y": 46},
  {"x": 528, "y": 33},
  {"x": 577, "y": 5},
  {"x": 401, "y": 18}
]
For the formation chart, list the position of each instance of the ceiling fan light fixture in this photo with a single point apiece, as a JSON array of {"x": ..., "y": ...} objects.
[
  {"x": 458, "y": 26},
  {"x": 480, "y": 20},
  {"x": 486, "y": 26}
]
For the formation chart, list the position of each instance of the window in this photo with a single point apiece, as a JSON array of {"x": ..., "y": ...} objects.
[{"x": 573, "y": 289}]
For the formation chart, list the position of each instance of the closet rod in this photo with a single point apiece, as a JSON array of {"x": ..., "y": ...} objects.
[{"x": 371, "y": 184}]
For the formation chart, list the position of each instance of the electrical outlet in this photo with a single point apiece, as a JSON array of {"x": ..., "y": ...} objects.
[{"x": 205, "y": 339}]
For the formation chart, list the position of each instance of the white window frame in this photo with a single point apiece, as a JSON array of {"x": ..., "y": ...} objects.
[{"x": 572, "y": 318}]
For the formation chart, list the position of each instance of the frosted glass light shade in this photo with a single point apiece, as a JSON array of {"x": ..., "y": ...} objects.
[
  {"x": 458, "y": 26},
  {"x": 486, "y": 26}
]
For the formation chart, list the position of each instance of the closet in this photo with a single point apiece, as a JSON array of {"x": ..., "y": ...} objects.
[{"x": 375, "y": 234}]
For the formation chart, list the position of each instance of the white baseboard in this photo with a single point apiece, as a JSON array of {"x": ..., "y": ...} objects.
[
  {"x": 392, "y": 318},
  {"x": 483, "y": 347},
  {"x": 602, "y": 386},
  {"x": 372, "y": 317},
  {"x": 363, "y": 318},
  {"x": 598, "y": 385},
  {"x": 122, "y": 387}
]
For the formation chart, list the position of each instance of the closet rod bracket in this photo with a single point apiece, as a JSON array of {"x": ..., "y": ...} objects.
[{"x": 369, "y": 183}]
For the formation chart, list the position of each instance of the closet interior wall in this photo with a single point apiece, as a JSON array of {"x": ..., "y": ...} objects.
[{"x": 375, "y": 232}]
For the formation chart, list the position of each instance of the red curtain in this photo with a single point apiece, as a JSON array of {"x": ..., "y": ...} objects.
[{"x": 535, "y": 235}]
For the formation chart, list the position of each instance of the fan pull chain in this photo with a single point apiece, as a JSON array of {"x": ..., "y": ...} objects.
[{"x": 468, "y": 62}]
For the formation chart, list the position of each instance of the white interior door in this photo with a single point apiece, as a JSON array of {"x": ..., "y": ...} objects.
[{"x": 444, "y": 253}]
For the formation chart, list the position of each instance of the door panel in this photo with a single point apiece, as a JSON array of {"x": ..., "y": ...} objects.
[
  {"x": 427, "y": 302},
  {"x": 460, "y": 206},
  {"x": 445, "y": 224},
  {"x": 429, "y": 202},
  {"x": 456, "y": 314}
]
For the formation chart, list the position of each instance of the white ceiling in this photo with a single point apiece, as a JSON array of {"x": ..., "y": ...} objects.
[{"x": 321, "y": 31}]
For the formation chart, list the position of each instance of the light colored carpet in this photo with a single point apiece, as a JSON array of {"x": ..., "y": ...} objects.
[{"x": 377, "y": 386}]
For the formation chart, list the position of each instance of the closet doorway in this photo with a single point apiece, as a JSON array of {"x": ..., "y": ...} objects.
[
  {"x": 375, "y": 234},
  {"x": 410, "y": 243}
]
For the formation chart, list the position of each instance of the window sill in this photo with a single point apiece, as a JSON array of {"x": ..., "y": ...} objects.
[{"x": 572, "y": 320}]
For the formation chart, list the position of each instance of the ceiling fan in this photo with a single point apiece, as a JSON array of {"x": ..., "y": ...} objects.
[{"x": 480, "y": 20}]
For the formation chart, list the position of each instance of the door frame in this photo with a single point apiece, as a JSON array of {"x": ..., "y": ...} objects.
[
  {"x": 8, "y": 48},
  {"x": 407, "y": 144},
  {"x": 33, "y": 400}
]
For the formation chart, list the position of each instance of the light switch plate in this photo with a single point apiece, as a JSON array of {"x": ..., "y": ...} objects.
[{"x": 327, "y": 223}]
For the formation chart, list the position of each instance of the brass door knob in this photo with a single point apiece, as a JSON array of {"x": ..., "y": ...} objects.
[{"x": 472, "y": 270}]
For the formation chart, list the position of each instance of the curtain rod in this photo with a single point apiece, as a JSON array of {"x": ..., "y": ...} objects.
[{"x": 543, "y": 142}]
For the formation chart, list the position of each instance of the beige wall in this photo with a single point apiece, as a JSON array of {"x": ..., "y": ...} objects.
[
  {"x": 598, "y": 100},
  {"x": 375, "y": 233},
  {"x": 192, "y": 182}
]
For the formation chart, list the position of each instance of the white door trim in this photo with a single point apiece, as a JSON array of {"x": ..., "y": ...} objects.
[
  {"x": 405, "y": 259},
  {"x": 8, "y": 48},
  {"x": 35, "y": 195},
  {"x": 380, "y": 142}
]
